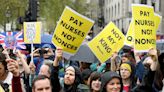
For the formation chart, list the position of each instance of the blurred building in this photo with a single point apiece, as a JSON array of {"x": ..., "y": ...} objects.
[
  {"x": 120, "y": 12},
  {"x": 93, "y": 13}
]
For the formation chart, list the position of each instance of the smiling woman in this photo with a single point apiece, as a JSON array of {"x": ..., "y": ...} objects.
[{"x": 111, "y": 82}]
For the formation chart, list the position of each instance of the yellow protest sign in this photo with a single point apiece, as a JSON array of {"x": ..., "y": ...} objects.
[
  {"x": 109, "y": 40},
  {"x": 158, "y": 19},
  {"x": 32, "y": 32},
  {"x": 144, "y": 27},
  {"x": 129, "y": 36},
  {"x": 71, "y": 30}
]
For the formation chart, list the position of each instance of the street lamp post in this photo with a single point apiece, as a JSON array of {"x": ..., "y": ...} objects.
[{"x": 8, "y": 15}]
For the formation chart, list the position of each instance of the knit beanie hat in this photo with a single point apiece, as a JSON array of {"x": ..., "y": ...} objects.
[
  {"x": 106, "y": 77},
  {"x": 127, "y": 66}
]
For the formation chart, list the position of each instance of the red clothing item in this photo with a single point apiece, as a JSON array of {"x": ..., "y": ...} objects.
[
  {"x": 16, "y": 84},
  {"x": 126, "y": 88}
]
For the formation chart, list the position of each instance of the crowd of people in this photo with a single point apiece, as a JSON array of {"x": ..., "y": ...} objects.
[{"x": 51, "y": 72}]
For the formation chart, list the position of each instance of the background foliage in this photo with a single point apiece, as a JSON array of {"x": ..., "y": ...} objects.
[{"x": 49, "y": 11}]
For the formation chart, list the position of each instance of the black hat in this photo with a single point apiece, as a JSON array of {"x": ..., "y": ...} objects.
[{"x": 86, "y": 73}]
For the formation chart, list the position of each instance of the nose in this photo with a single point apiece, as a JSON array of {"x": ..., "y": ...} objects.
[
  {"x": 67, "y": 76},
  {"x": 44, "y": 90},
  {"x": 116, "y": 86}
]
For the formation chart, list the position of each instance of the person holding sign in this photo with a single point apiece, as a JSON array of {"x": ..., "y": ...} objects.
[
  {"x": 158, "y": 84},
  {"x": 150, "y": 65},
  {"x": 72, "y": 77}
]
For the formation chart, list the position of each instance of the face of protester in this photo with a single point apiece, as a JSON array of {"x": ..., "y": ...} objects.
[
  {"x": 96, "y": 85},
  {"x": 46, "y": 54},
  {"x": 44, "y": 70},
  {"x": 2, "y": 70},
  {"x": 125, "y": 73},
  {"x": 124, "y": 59},
  {"x": 42, "y": 86},
  {"x": 113, "y": 85},
  {"x": 69, "y": 77}
]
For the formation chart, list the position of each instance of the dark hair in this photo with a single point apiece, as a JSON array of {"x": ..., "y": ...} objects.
[
  {"x": 130, "y": 57},
  {"x": 84, "y": 65},
  {"x": 159, "y": 74},
  {"x": 94, "y": 76},
  {"x": 107, "y": 77},
  {"x": 78, "y": 80},
  {"x": 2, "y": 60},
  {"x": 39, "y": 77}
]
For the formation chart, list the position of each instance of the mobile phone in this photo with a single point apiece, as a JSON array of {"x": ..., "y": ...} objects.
[{"x": 11, "y": 54}]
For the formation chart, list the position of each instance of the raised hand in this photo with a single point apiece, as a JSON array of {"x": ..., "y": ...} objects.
[
  {"x": 13, "y": 67},
  {"x": 58, "y": 56},
  {"x": 32, "y": 67}
]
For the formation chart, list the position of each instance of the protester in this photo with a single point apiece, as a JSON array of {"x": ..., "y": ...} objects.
[
  {"x": 45, "y": 70},
  {"x": 115, "y": 62},
  {"x": 41, "y": 83},
  {"x": 13, "y": 67},
  {"x": 158, "y": 84},
  {"x": 48, "y": 70},
  {"x": 86, "y": 78},
  {"x": 45, "y": 53},
  {"x": 95, "y": 83},
  {"x": 111, "y": 82},
  {"x": 5, "y": 75},
  {"x": 72, "y": 77},
  {"x": 127, "y": 72},
  {"x": 140, "y": 69},
  {"x": 150, "y": 64},
  {"x": 84, "y": 65},
  {"x": 21, "y": 58}
]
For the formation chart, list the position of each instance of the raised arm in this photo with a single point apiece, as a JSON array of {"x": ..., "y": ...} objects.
[
  {"x": 58, "y": 56},
  {"x": 13, "y": 67},
  {"x": 113, "y": 62},
  {"x": 55, "y": 71},
  {"x": 24, "y": 62}
]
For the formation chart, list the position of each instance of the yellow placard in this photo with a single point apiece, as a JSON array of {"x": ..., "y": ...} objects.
[
  {"x": 158, "y": 19},
  {"x": 32, "y": 32},
  {"x": 71, "y": 30},
  {"x": 144, "y": 27},
  {"x": 109, "y": 40},
  {"x": 129, "y": 36}
]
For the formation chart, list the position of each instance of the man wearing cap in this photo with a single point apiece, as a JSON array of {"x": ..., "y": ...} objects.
[{"x": 46, "y": 54}]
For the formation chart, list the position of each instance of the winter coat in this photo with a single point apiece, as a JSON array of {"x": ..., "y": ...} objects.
[
  {"x": 146, "y": 84},
  {"x": 83, "y": 88}
]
